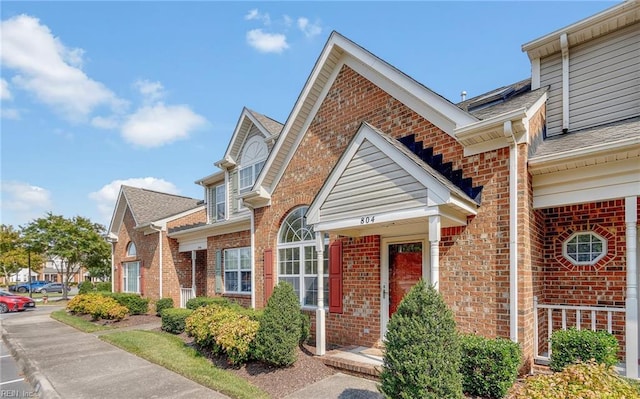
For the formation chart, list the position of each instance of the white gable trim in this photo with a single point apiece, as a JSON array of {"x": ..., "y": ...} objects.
[
  {"x": 337, "y": 52},
  {"x": 118, "y": 214},
  {"x": 438, "y": 194},
  {"x": 230, "y": 157}
]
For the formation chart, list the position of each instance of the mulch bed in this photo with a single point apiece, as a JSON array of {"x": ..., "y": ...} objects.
[{"x": 129, "y": 321}]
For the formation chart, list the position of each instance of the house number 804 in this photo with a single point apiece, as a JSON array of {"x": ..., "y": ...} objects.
[{"x": 367, "y": 219}]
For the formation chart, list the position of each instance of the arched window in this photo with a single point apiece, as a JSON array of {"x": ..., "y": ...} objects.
[
  {"x": 298, "y": 259},
  {"x": 131, "y": 249},
  {"x": 253, "y": 156}
]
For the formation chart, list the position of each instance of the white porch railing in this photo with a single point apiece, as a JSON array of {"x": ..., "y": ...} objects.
[
  {"x": 185, "y": 295},
  {"x": 573, "y": 315}
]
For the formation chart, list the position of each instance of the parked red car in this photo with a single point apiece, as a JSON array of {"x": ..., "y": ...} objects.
[{"x": 14, "y": 303}]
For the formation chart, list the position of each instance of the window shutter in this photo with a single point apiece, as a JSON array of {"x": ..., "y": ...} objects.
[
  {"x": 268, "y": 274},
  {"x": 234, "y": 192},
  {"x": 335, "y": 277},
  {"x": 218, "y": 272}
]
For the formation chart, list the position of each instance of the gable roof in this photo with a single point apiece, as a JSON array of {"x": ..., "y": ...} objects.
[
  {"x": 268, "y": 127},
  {"x": 339, "y": 51},
  {"x": 374, "y": 155},
  {"x": 148, "y": 206}
]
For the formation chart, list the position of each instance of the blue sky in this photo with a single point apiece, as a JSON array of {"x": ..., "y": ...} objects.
[{"x": 96, "y": 94}]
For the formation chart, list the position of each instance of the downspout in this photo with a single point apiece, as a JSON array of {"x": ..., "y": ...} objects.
[
  {"x": 253, "y": 260},
  {"x": 159, "y": 230},
  {"x": 513, "y": 232}
]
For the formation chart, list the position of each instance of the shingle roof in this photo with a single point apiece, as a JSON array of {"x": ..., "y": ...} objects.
[
  {"x": 502, "y": 100},
  {"x": 272, "y": 126},
  {"x": 609, "y": 133},
  {"x": 148, "y": 206}
]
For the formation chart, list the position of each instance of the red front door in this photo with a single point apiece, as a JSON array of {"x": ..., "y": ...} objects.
[{"x": 405, "y": 270}]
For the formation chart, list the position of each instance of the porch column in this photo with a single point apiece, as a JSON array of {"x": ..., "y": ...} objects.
[
  {"x": 434, "y": 240},
  {"x": 320, "y": 312},
  {"x": 631, "y": 327},
  {"x": 193, "y": 272}
]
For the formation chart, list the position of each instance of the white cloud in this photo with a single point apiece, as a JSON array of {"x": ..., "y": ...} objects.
[
  {"x": 5, "y": 94},
  {"x": 51, "y": 71},
  {"x": 106, "y": 197},
  {"x": 287, "y": 20},
  {"x": 307, "y": 28},
  {"x": 151, "y": 91},
  {"x": 23, "y": 202},
  {"x": 267, "y": 42},
  {"x": 153, "y": 126},
  {"x": 108, "y": 122},
  {"x": 9, "y": 113},
  {"x": 254, "y": 14}
]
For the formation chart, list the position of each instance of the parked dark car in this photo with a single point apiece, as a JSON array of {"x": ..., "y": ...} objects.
[
  {"x": 14, "y": 303},
  {"x": 51, "y": 287},
  {"x": 24, "y": 287}
]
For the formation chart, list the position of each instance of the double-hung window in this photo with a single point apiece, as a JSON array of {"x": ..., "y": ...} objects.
[
  {"x": 131, "y": 277},
  {"x": 237, "y": 270},
  {"x": 248, "y": 175},
  {"x": 298, "y": 258},
  {"x": 221, "y": 202}
]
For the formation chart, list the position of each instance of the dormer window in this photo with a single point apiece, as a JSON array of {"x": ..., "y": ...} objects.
[{"x": 252, "y": 160}]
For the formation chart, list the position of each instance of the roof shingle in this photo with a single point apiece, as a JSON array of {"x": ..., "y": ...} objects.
[{"x": 148, "y": 206}]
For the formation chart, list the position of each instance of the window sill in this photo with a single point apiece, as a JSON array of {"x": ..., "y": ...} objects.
[{"x": 237, "y": 293}]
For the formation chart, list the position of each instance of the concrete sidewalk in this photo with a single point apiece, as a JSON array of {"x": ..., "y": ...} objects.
[{"x": 62, "y": 362}]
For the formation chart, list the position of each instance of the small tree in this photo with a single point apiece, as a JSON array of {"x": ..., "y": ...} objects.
[
  {"x": 422, "y": 356},
  {"x": 279, "y": 331},
  {"x": 14, "y": 255}
]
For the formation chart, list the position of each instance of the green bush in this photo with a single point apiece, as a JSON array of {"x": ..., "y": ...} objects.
[
  {"x": 578, "y": 381},
  {"x": 162, "y": 304},
  {"x": 134, "y": 302},
  {"x": 279, "y": 332},
  {"x": 305, "y": 327},
  {"x": 173, "y": 319},
  {"x": 98, "y": 306},
  {"x": 572, "y": 346},
  {"x": 422, "y": 355},
  {"x": 85, "y": 287},
  {"x": 103, "y": 286},
  {"x": 200, "y": 301},
  {"x": 223, "y": 330},
  {"x": 489, "y": 366}
]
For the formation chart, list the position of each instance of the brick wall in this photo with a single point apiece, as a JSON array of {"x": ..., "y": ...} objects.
[
  {"x": 474, "y": 260},
  {"x": 220, "y": 243},
  {"x": 197, "y": 217}
]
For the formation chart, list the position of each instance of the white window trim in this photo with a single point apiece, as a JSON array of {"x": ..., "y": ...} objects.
[
  {"x": 218, "y": 202},
  {"x": 125, "y": 267},
  {"x": 238, "y": 271},
  {"x": 589, "y": 262},
  {"x": 302, "y": 274},
  {"x": 131, "y": 253}
]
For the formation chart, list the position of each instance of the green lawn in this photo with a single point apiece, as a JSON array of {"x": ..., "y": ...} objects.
[
  {"x": 77, "y": 322},
  {"x": 172, "y": 353}
]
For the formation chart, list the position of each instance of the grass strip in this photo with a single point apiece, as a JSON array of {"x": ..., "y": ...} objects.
[
  {"x": 172, "y": 353},
  {"x": 77, "y": 322}
]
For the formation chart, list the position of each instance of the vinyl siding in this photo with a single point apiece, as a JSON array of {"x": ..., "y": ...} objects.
[
  {"x": 551, "y": 75},
  {"x": 604, "y": 79},
  {"x": 372, "y": 183}
]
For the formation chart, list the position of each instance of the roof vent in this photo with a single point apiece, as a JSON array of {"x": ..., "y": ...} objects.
[{"x": 463, "y": 95}]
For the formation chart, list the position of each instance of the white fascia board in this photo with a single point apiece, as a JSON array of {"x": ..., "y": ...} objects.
[
  {"x": 214, "y": 229},
  {"x": 163, "y": 222},
  {"x": 477, "y": 128},
  {"x": 227, "y": 154},
  {"x": 380, "y": 219},
  {"x": 585, "y": 196},
  {"x": 192, "y": 245},
  {"x": 118, "y": 213},
  {"x": 571, "y": 156},
  {"x": 212, "y": 178}
]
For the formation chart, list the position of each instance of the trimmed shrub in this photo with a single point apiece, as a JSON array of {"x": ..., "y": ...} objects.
[
  {"x": 279, "y": 332},
  {"x": 162, "y": 304},
  {"x": 223, "y": 330},
  {"x": 572, "y": 346},
  {"x": 173, "y": 319},
  {"x": 103, "y": 286},
  {"x": 578, "y": 381},
  {"x": 200, "y": 301},
  {"x": 422, "y": 355},
  {"x": 85, "y": 287},
  {"x": 98, "y": 306},
  {"x": 489, "y": 366},
  {"x": 134, "y": 302}
]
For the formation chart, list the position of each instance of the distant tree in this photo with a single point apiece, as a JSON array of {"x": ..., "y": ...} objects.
[
  {"x": 14, "y": 254},
  {"x": 67, "y": 243}
]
